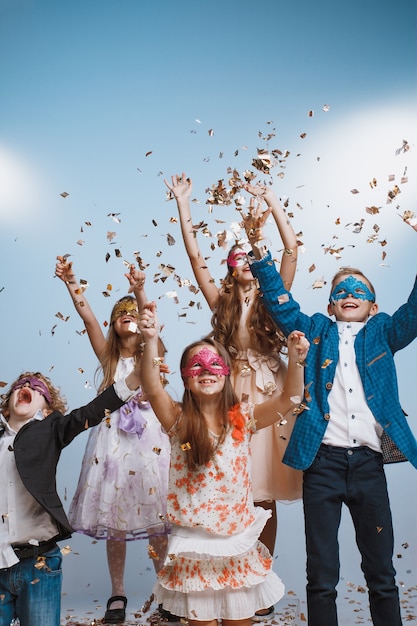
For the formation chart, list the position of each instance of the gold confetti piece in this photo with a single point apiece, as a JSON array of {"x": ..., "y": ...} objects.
[
  {"x": 3, "y": 384},
  {"x": 156, "y": 450},
  {"x": 41, "y": 563},
  {"x": 211, "y": 132},
  {"x": 61, "y": 317},
  {"x": 111, "y": 235},
  {"x": 283, "y": 298},
  {"x": 34, "y": 581},
  {"x": 310, "y": 113},
  {"x": 378, "y": 529},
  {"x": 148, "y": 153},
  {"x": 319, "y": 283},
  {"x": 152, "y": 553},
  {"x": 373, "y": 183},
  {"x": 186, "y": 446},
  {"x": 372, "y": 210},
  {"x": 64, "y": 194},
  {"x": 80, "y": 242},
  {"x": 393, "y": 193},
  {"x": 404, "y": 148},
  {"x": 326, "y": 363},
  {"x": 114, "y": 217},
  {"x": 326, "y": 108},
  {"x": 311, "y": 268},
  {"x": 354, "y": 191}
]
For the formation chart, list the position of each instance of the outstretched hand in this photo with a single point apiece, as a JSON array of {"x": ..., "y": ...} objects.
[
  {"x": 136, "y": 278},
  {"x": 298, "y": 346},
  {"x": 254, "y": 221},
  {"x": 261, "y": 192},
  {"x": 180, "y": 187},
  {"x": 148, "y": 321},
  {"x": 63, "y": 270}
]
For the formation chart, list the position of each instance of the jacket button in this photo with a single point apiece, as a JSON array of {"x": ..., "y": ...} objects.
[
  {"x": 327, "y": 416},
  {"x": 329, "y": 386}
]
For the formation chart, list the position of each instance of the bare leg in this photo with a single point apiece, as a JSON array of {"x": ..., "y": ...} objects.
[
  {"x": 268, "y": 536},
  {"x": 269, "y": 533},
  {"x": 158, "y": 550},
  {"x": 116, "y": 559}
]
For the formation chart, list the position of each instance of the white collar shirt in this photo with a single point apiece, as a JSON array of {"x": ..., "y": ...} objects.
[
  {"x": 23, "y": 519},
  {"x": 351, "y": 421}
]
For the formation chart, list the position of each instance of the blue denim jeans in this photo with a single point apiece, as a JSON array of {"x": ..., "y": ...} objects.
[
  {"x": 354, "y": 477},
  {"x": 31, "y": 594}
]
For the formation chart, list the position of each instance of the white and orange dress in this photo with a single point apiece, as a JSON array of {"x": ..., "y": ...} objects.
[{"x": 216, "y": 567}]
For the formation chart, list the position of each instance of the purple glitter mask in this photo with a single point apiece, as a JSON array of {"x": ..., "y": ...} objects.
[{"x": 36, "y": 384}]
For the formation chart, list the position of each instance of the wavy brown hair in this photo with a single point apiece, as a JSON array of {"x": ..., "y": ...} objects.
[
  {"x": 58, "y": 402},
  {"x": 192, "y": 427},
  {"x": 265, "y": 336}
]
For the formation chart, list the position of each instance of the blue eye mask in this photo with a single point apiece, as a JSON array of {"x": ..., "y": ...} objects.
[{"x": 354, "y": 287}]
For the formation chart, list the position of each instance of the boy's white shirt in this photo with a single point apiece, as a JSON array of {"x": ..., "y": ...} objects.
[
  {"x": 351, "y": 421},
  {"x": 17, "y": 507}
]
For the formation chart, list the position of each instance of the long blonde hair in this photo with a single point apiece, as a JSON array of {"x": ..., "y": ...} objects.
[
  {"x": 112, "y": 351},
  {"x": 192, "y": 428}
]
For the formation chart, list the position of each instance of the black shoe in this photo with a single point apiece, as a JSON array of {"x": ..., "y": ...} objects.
[
  {"x": 115, "y": 616},
  {"x": 167, "y": 615},
  {"x": 264, "y": 615}
]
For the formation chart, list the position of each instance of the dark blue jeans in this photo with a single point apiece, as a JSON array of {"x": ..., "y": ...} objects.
[
  {"x": 33, "y": 595},
  {"x": 354, "y": 477}
]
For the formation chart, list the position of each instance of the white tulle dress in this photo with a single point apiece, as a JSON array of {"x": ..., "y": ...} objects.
[{"x": 122, "y": 488}]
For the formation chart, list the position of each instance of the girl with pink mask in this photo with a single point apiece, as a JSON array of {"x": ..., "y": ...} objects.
[
  {"x": 216, "y": 568},
  {"x": 241, "y": 323},
  {"x": 122, "y": 488}
]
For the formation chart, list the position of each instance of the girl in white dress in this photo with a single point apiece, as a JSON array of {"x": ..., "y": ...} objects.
[
  {"x": 122, "y": 488},
  {"x": 216, "y": 567}
]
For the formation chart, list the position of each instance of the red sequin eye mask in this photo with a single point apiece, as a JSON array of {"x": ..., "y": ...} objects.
[{"x": 205, "y": 361}]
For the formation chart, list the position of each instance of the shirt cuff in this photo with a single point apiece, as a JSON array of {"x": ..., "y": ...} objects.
[{"x": 123, "y": 391}]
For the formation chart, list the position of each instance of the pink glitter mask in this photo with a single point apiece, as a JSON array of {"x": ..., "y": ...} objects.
[
  {"x": 237, "y": 258},
  {"x": 36, "y": 384},
  {"x": 205, "y": 361}
]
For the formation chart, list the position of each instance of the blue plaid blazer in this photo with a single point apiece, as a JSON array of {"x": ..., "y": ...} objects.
[{"x": 375, "y": 346}]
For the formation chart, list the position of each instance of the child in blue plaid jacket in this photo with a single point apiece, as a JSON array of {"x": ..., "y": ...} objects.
[{"x": 354, "y": 423}]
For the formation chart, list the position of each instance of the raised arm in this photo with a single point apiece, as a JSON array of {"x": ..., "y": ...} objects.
[
  {"x": 162, "y": 404},
  {"x": 290, "y": 253},
  {"x": 269, "y": 412},
  {"x": 136, "y": 280},
  {"x": 181, "y": 188},
  {"x": 63, "y": 270}
]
